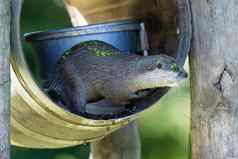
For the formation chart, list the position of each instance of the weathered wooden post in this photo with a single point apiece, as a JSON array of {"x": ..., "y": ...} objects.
[
  {"x": 4, "y": 79},
  {"x": 214, "y": 81},
  {"x": 122, "y": 144}
]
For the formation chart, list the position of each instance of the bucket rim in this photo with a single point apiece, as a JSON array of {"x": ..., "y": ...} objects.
[{"x": 98, "y": 28}]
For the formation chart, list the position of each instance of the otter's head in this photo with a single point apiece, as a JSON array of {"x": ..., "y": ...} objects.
[{"x": 158, "y": 71}]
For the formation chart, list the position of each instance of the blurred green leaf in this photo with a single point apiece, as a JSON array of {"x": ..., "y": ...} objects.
[{"x": 65, "y": 156}]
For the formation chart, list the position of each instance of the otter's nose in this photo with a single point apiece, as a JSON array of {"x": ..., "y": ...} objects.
[{"x": 183, "y": 74}]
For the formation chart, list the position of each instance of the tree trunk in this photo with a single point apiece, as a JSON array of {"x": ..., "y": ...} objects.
[
  {"x": 122, "y": 144},
  {"x": 4, "y": 79},
  {"x": 214, "y": 79}
]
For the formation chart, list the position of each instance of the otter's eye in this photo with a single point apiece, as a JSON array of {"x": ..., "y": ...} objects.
[{"x": 159, "y": 65}]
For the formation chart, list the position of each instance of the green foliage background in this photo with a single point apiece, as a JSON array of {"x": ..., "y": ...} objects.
[{"x": 164, "y": 128}]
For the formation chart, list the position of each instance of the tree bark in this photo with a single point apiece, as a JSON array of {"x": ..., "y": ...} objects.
[
  {"x": 214, "y": 79},
  {"x": 4, "y": 79},
  {"x": 122, "y": 144}
]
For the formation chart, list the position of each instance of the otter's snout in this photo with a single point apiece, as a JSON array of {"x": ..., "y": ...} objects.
[{"x": 183, "y": 74}]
